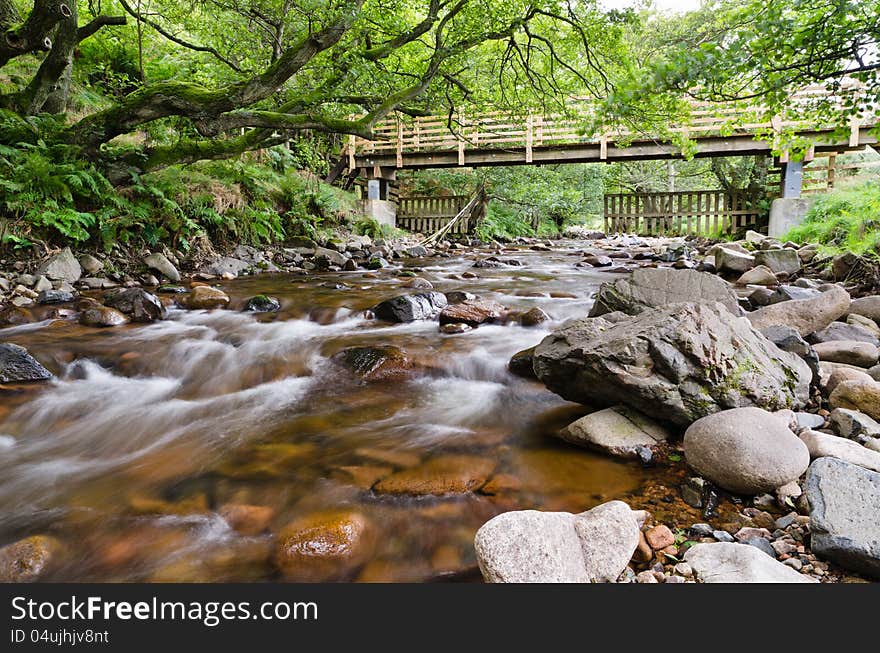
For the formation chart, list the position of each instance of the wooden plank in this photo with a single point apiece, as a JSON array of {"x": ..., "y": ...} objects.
[
  {"x": 399, "y": 143},
  {"x": 529, "y": 139}
]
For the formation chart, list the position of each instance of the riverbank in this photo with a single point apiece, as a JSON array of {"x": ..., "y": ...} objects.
[{"x": 250, "y": 432}]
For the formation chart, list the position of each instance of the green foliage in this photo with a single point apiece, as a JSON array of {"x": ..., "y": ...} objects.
[
  {"x": 846, "y": 219},
  {"x": 503, "y": 223}
]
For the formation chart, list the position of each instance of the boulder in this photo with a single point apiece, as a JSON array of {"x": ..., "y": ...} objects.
[
  {"x": 844, "y": 503},
  {"x": 329, "y": 257},
  {"x": 840, "y": 374},
  {"x": 90, "y": 264},
  {"x": 863, "y": 396},
  {"x": 408, "y": 308},
  {"x": 619, "y": 431},
  {"x": 520, "y": 363},
  {"x": 805, "y": 315},
  {"x": 843, "y": 331},
  {"x": 823, "y": 445},
  {"x": 325, "y": 546},
  {"x": 138, "y": 304},
  {"x": 247, "y": 519},
  {"x": 849, "y": 352},
  {"x": 658, "y": 287},
  {"x": 788, "y": 339},
  {"x": 472, "y": 312},
  {"x": 759, "y": 275},
  {"x": 676, "y": 363},
  {"x": 161, "y": 264},
  {"x": 62, "y": 266},
  {"x": 530, "y": 546},
  {"x": 745, "y": 450},
  {"x": 853, "y": 424},
  {"x": 262, "y": 304},
  {"x": 102, "y": 316},
  {"x": 865, "y": 323},
  {"x": 226, "y": 265},
  {"x": 18, "y": 366},
  {"x": 779, "y": 260},
  {"x": 729, "y": 562},
  {"x": 55, "y": 297},
  {"x": 27, "y": 560},
  {"x": 207, "y": 297},
  {"x": 868, "y": 307},
  {"x": 730, "y": 260},
  {"x": 533, "y": 317},
  {"x": 379, "y": 363}
]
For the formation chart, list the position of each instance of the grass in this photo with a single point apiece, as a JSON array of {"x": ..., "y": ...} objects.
[{"x": 844, "y": 220}]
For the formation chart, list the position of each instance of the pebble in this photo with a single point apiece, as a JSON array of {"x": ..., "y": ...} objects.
[{"x": 722, "y": 536}]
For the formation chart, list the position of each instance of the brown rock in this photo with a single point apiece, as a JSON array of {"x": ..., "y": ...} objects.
[
  {"x": 247, "y": 519},
  {"x": 533, "y": 317},
  {"x": 27, "y": 560},
  {"x": 841, "y": 374},
  {"x": 659, "y": 537},
  {"x": 472, "y": 312},
  {"x": 362, "y": 476},
  {"x": 643, "y": 552},
  {"x": 325, "y": 546},
  {"x": 102, "y": 316},
  {"x": 449, "y": 474},
  {"x": 207, "y": 297},
  {"x": 857, "y": 395}
]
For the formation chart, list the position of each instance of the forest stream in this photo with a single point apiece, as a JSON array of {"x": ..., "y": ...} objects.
[{"x": 151, "y": 436}]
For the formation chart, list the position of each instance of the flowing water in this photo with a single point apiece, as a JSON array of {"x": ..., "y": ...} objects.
[{"x": 148, "y": 430}]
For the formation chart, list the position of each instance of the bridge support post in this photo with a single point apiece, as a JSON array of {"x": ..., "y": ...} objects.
[
  {"x": 792, "y": 179},
  {"x": 379, "y": 203}
]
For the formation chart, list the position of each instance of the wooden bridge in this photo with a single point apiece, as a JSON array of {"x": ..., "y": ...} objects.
[{"x": 496, "y": 139}]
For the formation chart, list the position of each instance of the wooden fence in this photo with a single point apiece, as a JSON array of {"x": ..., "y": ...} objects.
[
  {"x": 423, "y": 214},
  {"x": 702, "y": 212}
]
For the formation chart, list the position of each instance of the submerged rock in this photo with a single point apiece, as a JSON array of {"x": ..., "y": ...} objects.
[
  {"x": 325, "y": 546},
  {"x": 844, "y": 503},
  {"x": 728, "y": 562},
  {"x": 446, "y": 474},
  {"x": 745, "y": 450},
  {"x": 677, "y": 363},
  {"x": 658, "y": 287},
  {"x": 408, "y": 308},
  {"x": 27, "y": 560},
  {"x": 18, "y": 366}
]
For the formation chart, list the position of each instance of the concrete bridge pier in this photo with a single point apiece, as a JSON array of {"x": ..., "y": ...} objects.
[
  {"x": 379, "y": 203},
  {"x": 789, "y": 210}
]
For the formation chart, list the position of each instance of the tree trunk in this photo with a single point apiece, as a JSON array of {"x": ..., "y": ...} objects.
[{"x": 50, "y": 88}]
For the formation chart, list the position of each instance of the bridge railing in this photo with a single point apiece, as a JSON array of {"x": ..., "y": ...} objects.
[
  {"x": 497, "y": 130},
  {"x": 428, "y": 214},
  {"x": 700, "y": 212}
]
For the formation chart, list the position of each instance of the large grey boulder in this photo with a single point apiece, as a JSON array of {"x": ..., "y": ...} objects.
[
  {"x": 618, "y": 430},
  {"x": 408, "y": 308},
  {"x": 659, "y": 287},
  {"x": 227, "y": 265},
  {"x": 730, "y": 260},
  {"x": 730, "y": 562},
  {"x": 805, "y": 315},
  {"x": 844, "y": 331},
  {"x": 822, "y": 445},
  {"x": 848, "y": 352},
  {"x": 63, "y": 266},
  {"x": 779, "y": 260},
  {"x": 18, "y": 366},
  {"x": 330, "y": 256},
  {"x": 530, "y": 546},
  {"x": 867, "y": 307},
  {"x": 161, "y": 264},
  {"x": 745, "y": 450},
  {"x": 844, "y": 503},
  {"x": 138, "y": 304},
  {"x": 676, "y": 363}
]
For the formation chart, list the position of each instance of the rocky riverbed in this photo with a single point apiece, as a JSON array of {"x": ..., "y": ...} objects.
[{"x": 587, "y": 409}]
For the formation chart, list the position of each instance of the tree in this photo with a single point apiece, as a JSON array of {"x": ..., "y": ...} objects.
[
  {"x": 761, "y": 53},
  {"x": 254, "y": 71}
]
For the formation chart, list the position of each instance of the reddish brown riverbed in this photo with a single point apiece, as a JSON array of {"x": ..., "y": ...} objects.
[{"x": 149, "y": 430}]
